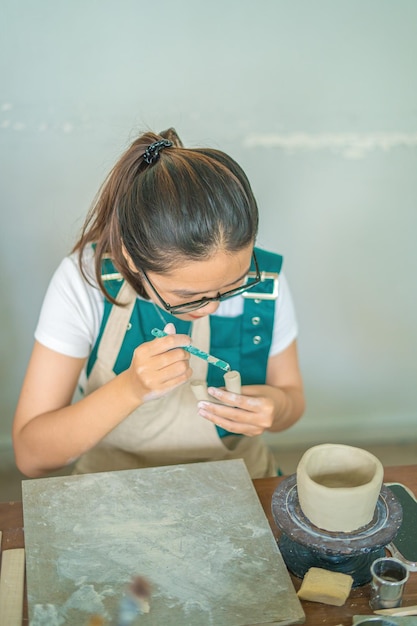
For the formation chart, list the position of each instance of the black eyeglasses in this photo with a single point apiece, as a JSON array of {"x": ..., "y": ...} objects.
[{"x": 187, "y": 307}]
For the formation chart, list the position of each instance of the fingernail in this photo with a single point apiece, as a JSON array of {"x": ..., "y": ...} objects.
[{"x": 170, "y": 329}]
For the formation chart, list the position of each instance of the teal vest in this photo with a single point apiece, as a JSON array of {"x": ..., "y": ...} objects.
[{"x": 243, "y": 341}]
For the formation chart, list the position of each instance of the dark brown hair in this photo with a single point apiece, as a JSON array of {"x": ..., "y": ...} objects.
[{"x": 188, "y": 204}]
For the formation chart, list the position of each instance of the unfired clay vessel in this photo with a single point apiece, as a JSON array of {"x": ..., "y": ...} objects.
[{"x": 338, "y": 486}]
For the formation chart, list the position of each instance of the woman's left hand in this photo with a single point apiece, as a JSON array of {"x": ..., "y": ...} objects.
[
  {"x": 240, "y": 414},
  {"x": 275, "y": 406}
]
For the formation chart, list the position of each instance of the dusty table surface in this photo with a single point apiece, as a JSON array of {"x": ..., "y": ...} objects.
[{"x": 11, "y": 523}]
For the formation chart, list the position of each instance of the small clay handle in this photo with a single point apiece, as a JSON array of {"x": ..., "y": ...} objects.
[
  {"x": 199, "y": 389},
  {"x": 233, "y": 382}
]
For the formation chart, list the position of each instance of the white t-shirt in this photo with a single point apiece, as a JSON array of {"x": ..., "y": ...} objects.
[{"x": 72, "y": 310}]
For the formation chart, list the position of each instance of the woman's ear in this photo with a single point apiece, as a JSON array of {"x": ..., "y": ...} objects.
[{"x": 129, "y": 261}]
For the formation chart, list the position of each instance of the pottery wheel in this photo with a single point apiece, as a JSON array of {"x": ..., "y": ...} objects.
[{"x": 292, "y": 522}]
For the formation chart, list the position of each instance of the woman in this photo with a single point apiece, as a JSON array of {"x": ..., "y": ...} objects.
[{"x": 168, "y": 243}]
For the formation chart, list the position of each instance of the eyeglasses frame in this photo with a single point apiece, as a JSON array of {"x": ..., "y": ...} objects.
[{"x": 202, "y": 302}]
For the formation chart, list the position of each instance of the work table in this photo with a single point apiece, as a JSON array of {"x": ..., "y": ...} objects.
[{"x": 11, "y": 525}]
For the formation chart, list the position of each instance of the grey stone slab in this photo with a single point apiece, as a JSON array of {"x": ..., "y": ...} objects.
[{"x": 197, "y": 532}]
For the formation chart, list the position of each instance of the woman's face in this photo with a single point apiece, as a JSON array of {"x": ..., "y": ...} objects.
[{"x": 194, "y": 280}]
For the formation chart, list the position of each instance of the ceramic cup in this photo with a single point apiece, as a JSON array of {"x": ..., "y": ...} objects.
[
  {"x": 338, "y": 486},
  {"x": 389, "y": 576}
]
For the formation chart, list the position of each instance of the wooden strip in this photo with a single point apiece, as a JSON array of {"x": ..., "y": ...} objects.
[
  {"x": 11, "y": 586},
  {"x": 404, "y": 610}
]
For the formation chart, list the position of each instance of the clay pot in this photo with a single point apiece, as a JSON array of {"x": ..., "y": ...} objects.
[{"x": 338, "y": 486}]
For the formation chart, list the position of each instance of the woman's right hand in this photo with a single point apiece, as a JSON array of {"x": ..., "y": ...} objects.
[
  {"x": 50, "y": 431},
  {"x": 160, "y": 365}
]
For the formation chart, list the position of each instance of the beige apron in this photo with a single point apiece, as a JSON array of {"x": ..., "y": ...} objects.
[{"x": 168, "y": 430}]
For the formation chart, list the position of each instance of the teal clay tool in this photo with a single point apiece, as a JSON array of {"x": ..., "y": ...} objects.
[{"x": 200, "y": 353}]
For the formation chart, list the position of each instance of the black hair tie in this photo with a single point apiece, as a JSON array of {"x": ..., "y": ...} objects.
[{"x": 151, "y": 153}]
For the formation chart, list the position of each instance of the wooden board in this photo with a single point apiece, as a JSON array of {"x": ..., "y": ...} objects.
[
  {"x": 12, "y": 577},
  {"x": 197, "y": 532}
]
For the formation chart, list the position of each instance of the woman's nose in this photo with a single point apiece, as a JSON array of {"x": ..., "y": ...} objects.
[{"x": 208, "y": 308}]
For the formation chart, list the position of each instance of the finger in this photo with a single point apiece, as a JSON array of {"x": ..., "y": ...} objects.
[
  {"x": 231, "y": 425},
  {"x": 227, "y": 397},
  {"x": 222, "y": 411},
  {"x": 171, "y": 358},
  {"x": 179, "y": 369},
  {"x": 164, "y": 381},
  {"x": 246, "y": 403},
  {"x": 164, "y": 367},
  {"x": 169, "y": 342},
  {"x": 146, "y": 360},
  {"x": 176, "y": 380},
  {"x": 165, "y": 387}
]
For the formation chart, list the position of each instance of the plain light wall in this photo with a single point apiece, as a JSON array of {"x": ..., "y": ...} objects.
[{"x": 318, "y": 103}]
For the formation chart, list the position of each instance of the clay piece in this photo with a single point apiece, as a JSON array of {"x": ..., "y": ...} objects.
[
  {"x": 320, "y": 585},
  {"x": 338, "y": 486},
  {"x": 232, "y": 383}
]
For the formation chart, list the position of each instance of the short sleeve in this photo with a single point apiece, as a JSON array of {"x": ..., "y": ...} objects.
[
  {"x": 72, "y": 310},
  {"x": 285, "y": 322}
]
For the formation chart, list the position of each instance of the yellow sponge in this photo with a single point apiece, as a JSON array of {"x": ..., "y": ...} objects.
[{"x": 320, "y": 585}]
